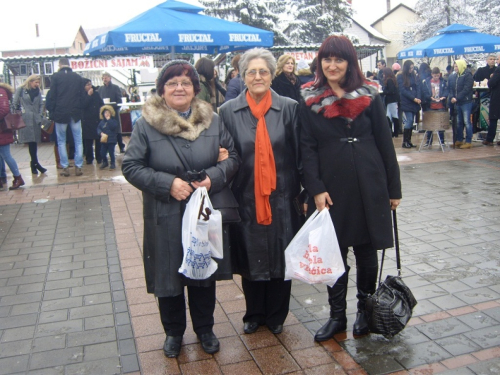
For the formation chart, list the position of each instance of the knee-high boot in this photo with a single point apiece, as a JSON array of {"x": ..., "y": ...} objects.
[
  {"x": 410, "y": 132},
  {"x": 58, "y": 159},
  {"x": 337, "y": 299},
  {"x": 395, "y": 122},
  {"x": 366, "y": 279},
  {"x": 406, "y": 136}
]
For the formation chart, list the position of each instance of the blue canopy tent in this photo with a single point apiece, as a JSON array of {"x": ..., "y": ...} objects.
[
  {"x": 453, "y": 40},
  {"x": 174, "y": 26}
]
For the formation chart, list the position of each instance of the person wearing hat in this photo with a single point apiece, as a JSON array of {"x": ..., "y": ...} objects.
[
  {"x": 174, "y": 120},
  {"x": 396, "y": 68},
  {"x": 114, "y": 94}
]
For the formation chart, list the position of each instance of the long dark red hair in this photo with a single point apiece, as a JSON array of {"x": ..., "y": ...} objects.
[{"x": 340, "y": 46}]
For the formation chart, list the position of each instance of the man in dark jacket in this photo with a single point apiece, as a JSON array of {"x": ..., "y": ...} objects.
[
  {"x": 494, "y": 113},
  {"x": 114, "y": 94},
  {"x": 67, "y": 93},
  {"x": 381, "y": 65},
  {"x": 463, "y": 104},
  {"x": 92, "y": 104},
  {"x": 486, "y": 71}
]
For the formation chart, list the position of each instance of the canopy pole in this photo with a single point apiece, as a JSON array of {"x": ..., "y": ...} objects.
[{"x": 172, "y": 53}]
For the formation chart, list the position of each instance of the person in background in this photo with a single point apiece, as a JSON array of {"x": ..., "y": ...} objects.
[
  {"x": 265, "y": 186},
  {"x": 205, "y": 68},
  {"x": 381, "y": 64},
  {"x": 229, "y": 76},
  {"x": 67, "y": 95},
  {"x": 449, "y": 71},
  {"x": 494, "y": 113},
  {"x": 409, "y": 94},
  {"x": 372, "y": 78},
  {"x": 114, "y": 93},
  {"x": 29, "y": 97},
  {"x": 396, "y": 68},
  {"x": 304, "y": 72},
  {"x": 235, "y": 85},
  {"x": 219, "y": 90},
  {"x": 463, "y": 104},
  {"x": 176, "y": 117},
  {"x": 286, "y": 83},
  {"x": 486, "y": 72},
  {"x": 108, "y": 126},
  {"x": 435, "y": 92},
  {"x": 6, "y": 138},
  {"x": 391, "y": 100},
  {"x": 452, "y": 87},
  {"x": 92, "y": 103},
  {"x": 351, "y": 169},
  {"x": 313, "y": 66}
]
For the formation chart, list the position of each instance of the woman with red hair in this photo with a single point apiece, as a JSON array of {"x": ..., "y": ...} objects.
[{"x": 350, "y": 168}]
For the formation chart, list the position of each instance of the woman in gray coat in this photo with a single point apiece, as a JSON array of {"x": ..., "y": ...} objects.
[
  {"x": 265, "y": 130},
  {"x": 177, "y": 129},
  {"x": 29, "y": 98}
]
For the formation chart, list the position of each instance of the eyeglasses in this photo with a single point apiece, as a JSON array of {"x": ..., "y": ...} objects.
[
  {"x": 262, "y": 72},
  {"x": 184, "y": 84}
]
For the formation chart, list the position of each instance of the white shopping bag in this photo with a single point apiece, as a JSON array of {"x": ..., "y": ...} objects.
[
  {"x": 201, "y": 237},
  {"x": 313, "y": 255}
]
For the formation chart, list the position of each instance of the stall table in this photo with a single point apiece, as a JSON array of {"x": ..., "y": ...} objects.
[{"x": 129, "y": 114}]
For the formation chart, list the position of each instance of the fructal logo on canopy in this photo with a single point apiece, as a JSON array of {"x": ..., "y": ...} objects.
[
  {"x": 474, "y": 49},
  {"x": 144, "y": 37},
  {"x": 443, "y": 50},
  {"x": 244, "y": 38},
  {"x": 195, "y": 38}
]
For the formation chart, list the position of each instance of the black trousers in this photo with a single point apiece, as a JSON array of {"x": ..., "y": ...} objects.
[
  {"x": 88, "y": 145},
  {"x": 267, "y": 302},
  {"x": 119, "y": 138},
  {"x": 366, "y": 256},
  {"x": 201, "y": 308}
]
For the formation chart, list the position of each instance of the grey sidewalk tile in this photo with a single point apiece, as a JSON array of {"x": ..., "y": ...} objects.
[
  {"x": 103, "y": 366},
  {"x": 92, "y": 337},
  {"x": 48, "y": 343},
  {"x": 56, "y": 294},
  {"x": 124, "y": 332},
  {"x": 491, "y": 367},
  {"x": 89, "y": 311},
  {"x": 90, "y": 256},
  {"x": 97, "y": 279},
  {"x": 27, "y": 308},
  {"x": 12, "y": 365},
  {"x": 479, "y": 319},
  {"x": 20, "y": 298},
  {"x": 15, "y": 348},
  {"x": 65, "y": 303},
  {"x": 478, "y": 295},
  {"x": 486, "y": 337},
  {"x": 90, "y": 271},
  {"x": 101, "y": 351},
  {"x": 59, "y": 328},
  {"x": 458, "y": 345},
  {"x": 129, "y": 363},
  {"x": 15, "y": 334},
  {"x": 420, "y": 354},
  {"x": 42, "y": 270},
  {"x": 66, "y": 267},
  {"x": 62, "y": 280},
  {"x": 8, "y": 290},
  {"x": 447, "y": 302},
  {"x": 443, "y": 328},
  {"x": 95, "y": 263},
  {"x": 60, "y": 357},
  {"x": 53, "y": 316},
  {"x": 102, "y": 321},
  {"x": 90, "y": 289},
  {"x": 493, "y": 313},
  {"x": 95, "y": 299}
]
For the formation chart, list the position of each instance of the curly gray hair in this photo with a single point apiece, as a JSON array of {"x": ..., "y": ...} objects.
[{"x": 257, "y": 53}]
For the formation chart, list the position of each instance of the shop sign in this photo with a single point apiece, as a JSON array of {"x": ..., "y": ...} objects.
[{"x": 118, "y": 62}]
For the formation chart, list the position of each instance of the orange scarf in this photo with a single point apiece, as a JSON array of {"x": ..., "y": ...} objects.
[{"x": 265, "y": 167}]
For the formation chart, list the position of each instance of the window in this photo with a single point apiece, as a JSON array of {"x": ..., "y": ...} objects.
[
  {"x": 47, "y": 67},
  {"x": 23, "y": 70},
  {"x": 36, "y": 68}
]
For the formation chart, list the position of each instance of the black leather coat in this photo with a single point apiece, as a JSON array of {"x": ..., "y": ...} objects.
[
  {"x": 284, "y": 87},
  {"x": 151, "y": 165},
  {"x": 494, "y": 85},
  {"x": 258, "y": 250},
  {"x": 90, "y": 118},
  {"x": 67, "y": 94}
]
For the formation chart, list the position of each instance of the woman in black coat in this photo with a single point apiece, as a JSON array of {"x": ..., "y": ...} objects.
[
  {"x": 92, "y": 102},
  {"x": 286, "y": 83},
  {"x": 391, "y": 99},
  {"x": 350, "y": 168},
  {"x": 409, "y": 93},
  {"x": 177, "y": 131},
  {"x": 265, "y": 195}
]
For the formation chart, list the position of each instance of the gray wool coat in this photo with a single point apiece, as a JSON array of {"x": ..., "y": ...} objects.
[
  {"x": 151, "y": 165},
  {"x": 32, "y": 116}
]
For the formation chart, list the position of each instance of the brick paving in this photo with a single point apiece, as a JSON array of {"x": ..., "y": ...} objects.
[{"x": 73, "y": 300}]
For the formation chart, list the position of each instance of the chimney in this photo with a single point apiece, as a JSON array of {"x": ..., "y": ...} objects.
[
  {"x": 36, "y": 28},
  {"x": 388, "y": 6}
]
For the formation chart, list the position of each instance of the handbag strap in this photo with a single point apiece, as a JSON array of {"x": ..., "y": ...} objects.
[
  {"x": 396, "y": 245},
  {"x": 179, "y": 154}
]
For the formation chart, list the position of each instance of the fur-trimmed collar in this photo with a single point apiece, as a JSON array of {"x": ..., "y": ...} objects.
[
  {"x": 324, "y": 101},
  {"x": 8, "y": 88},
  {"x": 168, "y": 122}
]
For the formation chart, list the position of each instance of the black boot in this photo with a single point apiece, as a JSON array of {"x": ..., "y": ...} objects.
[
  {"x": 33, "y": 168},
  {"x": 406, "y": 144},
  {"x": 410, "y": 132},
  {"x": 390, "y": 124},
  {"x": 395, "y": 121},
  {"x": 337, "y": 299},
  {"x": 40, "y": 168},
  {"x": 366, "y": 279}
]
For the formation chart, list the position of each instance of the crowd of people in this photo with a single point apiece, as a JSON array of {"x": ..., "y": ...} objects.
[{"x": 317, "y": 133}]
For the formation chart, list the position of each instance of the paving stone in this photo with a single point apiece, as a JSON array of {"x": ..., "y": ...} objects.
[
  {"x": 479, "y": 319},
  {"x": 101, "y": 321},
  {"x": 478, "y": 295},
  {"x": 26, "y": 308},
  {"x": 95, "y": 299},
  {"x": 15, "y": 334},
  {"x": 18, "y": 321},
  {"x": 59, "y": 328},
  {"x": 92, "y": 337},
  {"x": 90, "y": 289},
  {"x": 100, "y": 351},
  {"x": 48, "y": 343},
  {"x": 56, "y": 294},
  {"x": 53, "y": 316},
  {"x": 458, "y": 345},
  {"x": 59, "y": 357},
  {"x": 64, "y": 303},
  {"x": 92, "y": 310},
  {"x": 129, "y": 363},
  {"x": 486, "y": 337},
  {"x": 102, "y": 367},
  {"x": 13, "y": 365},
  {"x": 491, "y": 367},
  {"x": 15, "y": 348}
]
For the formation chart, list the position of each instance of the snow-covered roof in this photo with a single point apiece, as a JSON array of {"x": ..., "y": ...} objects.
[
  {"x": 371, "y": 31},
  {"x": 393, "y": 10},
  {"x": 47, "y": 40}
]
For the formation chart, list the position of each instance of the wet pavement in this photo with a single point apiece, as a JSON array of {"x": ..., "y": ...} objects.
[{"x": 73, "y": 299}]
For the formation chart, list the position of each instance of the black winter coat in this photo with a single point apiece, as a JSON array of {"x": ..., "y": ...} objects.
[
  {"x": 234, "y": 87},
  {"x": 390, "y": 93},
  {"x": 151, "y": 165},
  {"x": 494, "y": 85},
  {"x": 284, "y": 87},
  {"x": 360, "y": 177},
  {"x": 483, "y": 73},
  {"x": 452, "y": 86},
  {"x": 90, "y": 118},
  {"x": 463, "y": 87},
  {"x": 67, "y": 95},
  {"x": 114, "y": 93},
  {"x": 258, "y": 250},
  {"x": 408, "y": 94}
]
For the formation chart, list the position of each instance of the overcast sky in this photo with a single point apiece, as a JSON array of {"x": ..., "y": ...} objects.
[{"x": 19, "y": 17}]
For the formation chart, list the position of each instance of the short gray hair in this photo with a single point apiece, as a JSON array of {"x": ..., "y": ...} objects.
[{"x": 257, "y": 53}]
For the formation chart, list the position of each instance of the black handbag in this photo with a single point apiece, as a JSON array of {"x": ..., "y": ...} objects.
[
  {"x": 391, "y": 306},
  {"x": 224, "y": 200}
]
